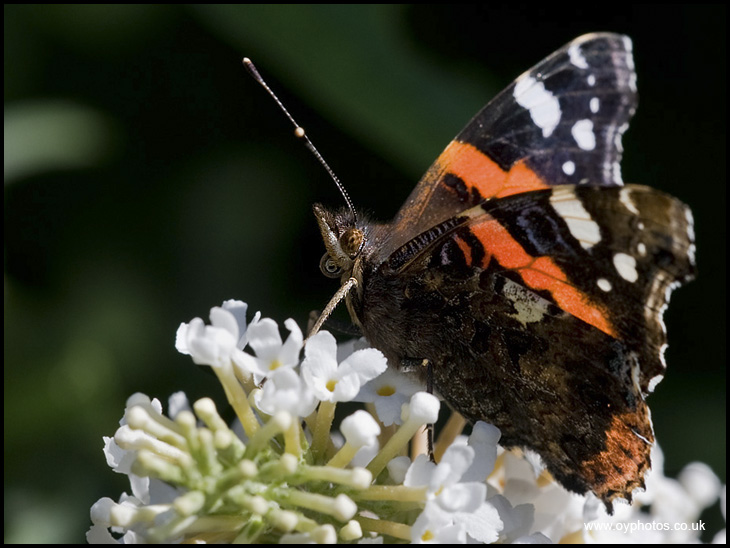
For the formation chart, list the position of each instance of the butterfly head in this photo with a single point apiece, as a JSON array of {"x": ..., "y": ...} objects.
[{"x": 344, "y": 241}]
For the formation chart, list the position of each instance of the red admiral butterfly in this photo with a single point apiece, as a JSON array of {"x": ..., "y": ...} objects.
[{"x": 527, "y": 275}]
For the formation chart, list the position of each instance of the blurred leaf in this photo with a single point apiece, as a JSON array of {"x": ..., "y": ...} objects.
[{"x": 46, "y": 136}]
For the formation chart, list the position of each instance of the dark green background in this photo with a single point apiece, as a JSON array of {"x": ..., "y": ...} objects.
[{"x": 148, "y": 178}]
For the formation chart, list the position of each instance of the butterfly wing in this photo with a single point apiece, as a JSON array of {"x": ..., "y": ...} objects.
[
  {"x": 559, "y": 123},
  {"x": 542, "y": 313}
]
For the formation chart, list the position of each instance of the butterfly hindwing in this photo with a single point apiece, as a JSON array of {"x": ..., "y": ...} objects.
[{"x": 549, "y": 305}]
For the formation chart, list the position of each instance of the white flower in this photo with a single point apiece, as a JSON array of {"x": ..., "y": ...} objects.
[
  {"x": 120, "y": 460},
  {"x": 398, "y": 468},
  {"x": 483, "y": 440},
  {"x": 701, "y": 484},
  {"x": 443, "y": 483},
  {"x": 238, "y": 309},
  {"x": 271, "y": 352},
  {"x": 720, "y": 536},
  {"x": 517, "y": 521},
  {"x": 285, "y": 391},
  {"x": 216, "y": 344},
  {"x": 176, "y": 403},
  {"x": 435, "y": 527},
  {"x": 388, "y": 392},
  {"x": 361, "y": 432},
  {"x": 360, "y": 429},
  {"x": 483, "y": 524},
  {"x": 146, "y": 491},
  {"x": 422, "y": 408},
  {"x": 332, "y": 382}
]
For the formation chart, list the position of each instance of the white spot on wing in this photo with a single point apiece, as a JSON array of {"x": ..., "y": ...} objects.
[
  {"x": 569, "y": 167},
  {"x": 626, "y": 267},
  {"x": 604, "y": 284},
  {"x": 657, "y": 300},
  {"x": 591, "y": 80},
  {"x": 582, "y": 132},
  {"x": 529, "y": 307},
  {"x": 691, "y": 251},
  {"x": 579, "y": 221},
  {"x": 616, "y": 171},
  {"x": 629, "y": 47},
  {"x": 625, "y": 197},
  {"x": 543, "y": 106},
  {"x": 616, "y": 166},
  {"x": 576, "y": 56},
  {"x": 617, "y": 138},
  {"x": 653, "y": 382},
  {"x": 690, "y": 224},
  {"x": 663, "y": 348},
  {"x": 641, "y": 248},
  {"x": 667, "y": 295},
  {"x": 594, "y": 104}
]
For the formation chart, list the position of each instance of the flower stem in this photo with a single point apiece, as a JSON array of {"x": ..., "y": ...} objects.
[
  {"x": 292, "y": 437},
  {"x": 238, "y": 399},
  {"x": 399, "y": 440},
  {"x": 399, "y": 493},
  {"x": 321, "y": 433},
  {"x": 448, "y": 434},
  {"x": 343, "y": 457},
  {"x": 277, "y": 424},
  {"x": 384, "y": 527},
  {"x": 340, "y": 507}
]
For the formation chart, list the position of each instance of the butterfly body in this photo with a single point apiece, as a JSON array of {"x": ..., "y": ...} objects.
[{"x": 529, "y": 277}]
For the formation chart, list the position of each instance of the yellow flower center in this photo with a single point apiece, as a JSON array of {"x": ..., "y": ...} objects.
[
  {"x": 331, "y": 385},
  {"x": 427, "y": 536},
  {"x": 385, "y": 390}
]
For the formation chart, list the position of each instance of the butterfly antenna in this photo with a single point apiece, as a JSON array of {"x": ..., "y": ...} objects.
[{"x": 299, "y": 132}]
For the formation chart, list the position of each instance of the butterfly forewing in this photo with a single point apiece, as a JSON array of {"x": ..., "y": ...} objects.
[{"x": 559, "y": 123}]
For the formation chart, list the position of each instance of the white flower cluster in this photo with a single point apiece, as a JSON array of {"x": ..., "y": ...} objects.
[{"x": 280, "y": 474}]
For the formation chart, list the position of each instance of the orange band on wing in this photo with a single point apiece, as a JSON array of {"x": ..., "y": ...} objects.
[
  {"x": 520, "y": 178},
  {"x": 479, "y": 171},
  {"x": 538, "y": 273},
  {"x": 465, "y": 249}
]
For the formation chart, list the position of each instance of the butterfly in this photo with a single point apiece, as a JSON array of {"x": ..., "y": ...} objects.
[{"x": 527, "y": 275}]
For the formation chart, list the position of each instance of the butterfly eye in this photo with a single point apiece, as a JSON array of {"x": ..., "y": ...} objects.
[
  {"x": 351, "y": 241},
  {"x": 329, "y": 267}
]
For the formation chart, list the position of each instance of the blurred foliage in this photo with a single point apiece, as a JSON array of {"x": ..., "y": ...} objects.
[{"x": 147, "y": 178}]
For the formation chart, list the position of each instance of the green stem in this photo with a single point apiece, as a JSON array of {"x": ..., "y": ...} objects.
[
  {"x": 321, "y": 434},
  {"x": 384, "y": 527},
  {"x": 238, "y": 399}
]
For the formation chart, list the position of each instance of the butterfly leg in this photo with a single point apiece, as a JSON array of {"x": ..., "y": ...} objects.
[{"x": 332, "y": 324}]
